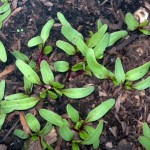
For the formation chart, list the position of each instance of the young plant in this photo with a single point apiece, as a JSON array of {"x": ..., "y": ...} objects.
[
  {"x": 3, "y": 54},
  {"x": 41, "y": 40},
  {"x": 48, "y": 84},
  {"x": 4, "y": 12},
  {"x": 145, "y": 138},
  {"x": 98, "y": 42},
  {"x": 133, "y": 24},
  {"x": 35, "y": 132},
  {"x": 76, "y": 131},
  {"x": 119, "y": 77}
]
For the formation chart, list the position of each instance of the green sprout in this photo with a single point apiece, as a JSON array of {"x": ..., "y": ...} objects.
[
  {"x": 145, "y": 138},
  {"x": 3, "y": 54},
  {"x": 37, "y": 133},
  {"x": 76, "y": 131},
  {"x": 133, "y": 24},
  {"x": 119, "y": 77},
  {"x": 76, "y": 45}
]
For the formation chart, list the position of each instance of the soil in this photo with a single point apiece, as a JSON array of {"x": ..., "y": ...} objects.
[{"x": 123, "y": 123}]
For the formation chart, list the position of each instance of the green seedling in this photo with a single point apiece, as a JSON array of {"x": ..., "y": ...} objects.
[
  {"x": 76, "y": 131},
  {"x": 4, "y": 12},
  {"x": 133, "y": 24},
  {"x": 119, "y": 77},
  {"x": 36, "y": 132},
  {"x": 98, "y": 42},
  {"x": 3, "y": 55},
  {"x": 19, "y": 101},
  {"x": 47, "y": 82},
  {"x": 41, "y": 40},
  {"x": 145, "y": 138}
]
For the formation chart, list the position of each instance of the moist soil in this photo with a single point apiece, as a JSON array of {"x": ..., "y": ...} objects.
[{"x": 123, "y": 124}]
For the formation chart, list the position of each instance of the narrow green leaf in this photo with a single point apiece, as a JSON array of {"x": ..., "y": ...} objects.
[
  {"x": 79, "y": 66},
  {"x": 47, "y": 49},
  {"x": 145, "y": 23},
  {"x": 21, "y": 104},
  {"x": 3, "y": 55},
  {"x": 35, "y": 41},
  {"x": 83, "y": 134},
  {"x": 28, "y": 86},
  {"x": 71, "y": 34},
  {"x": 145, "y": 31},
  {"x": 28, "y": 72},
  {"x": 61, "y": 66},
  {"x": 102, "y": 45},
  {"x": 146, "y": 130},
  {"x": 97, "y": 37},
  {"x": 5, "y": 15},
  {"x": 115, "y": 36},
  {"x": 16, "y": 96},
  {"x": 145, "y": 142},
  {"x": 95, "y": 136},
  {"x": 99, "y": 24},
  {"x": 57, "y": 85},
  {"x": 21, "y": 134},
  {"x": 65, "y": 46},
  {"x": 98, "y": 70},
  {"x": 82, "y": 47},
  {"x": 46, "y": 30},
  {"x": 100, "y": 110},
  {"x": 2, "y": 119},
  {"x": 52, "y": 95},
  {"x": 47, "y": 128},
  {"x": 119, "y": 71},
  {"x": 137, "y": 73},
  {"x": 2, "y": 89},
  {"x": 75, "y": 146},
  {"x": 51, "y": 117},
  {"x": 47, "y": 74},
  {"x": 66, "y": 133},
  {"x": 32, "y": 122},
  {"x": 4, "y": 7},
  {"x": 19, "y": 55},
  {"x": 131, "y": 21},
  {"x": 76, "y": 93},
  {"x": 62, "y": 19},
  {"x": 73, "y": 113},
  {"x": 142, "y": 85}
]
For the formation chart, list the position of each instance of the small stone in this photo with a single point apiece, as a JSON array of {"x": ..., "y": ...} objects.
[{"x": 109, "y": 145}]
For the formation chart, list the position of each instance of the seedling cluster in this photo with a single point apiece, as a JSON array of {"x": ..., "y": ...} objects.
[{"x": 41, "y": 75}]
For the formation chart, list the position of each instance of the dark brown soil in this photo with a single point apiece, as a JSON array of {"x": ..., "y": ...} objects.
[{"x": 123, "y": 123}]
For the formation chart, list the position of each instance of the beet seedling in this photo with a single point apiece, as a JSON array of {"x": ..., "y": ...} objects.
[
  {"x": 145, "y": 138},
  {"x": 76, "y": 131},
  {"x": 3, "y": 54},
  {"x": 98, "y": 42},
  {"x": 35, "y": 132}
]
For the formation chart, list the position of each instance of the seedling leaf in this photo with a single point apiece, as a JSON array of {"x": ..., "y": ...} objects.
[
  {"x": 21, "y": 134},
  {"x": 19, "y": 55},
  {"x": 76, "y": 93},
  {"x": 73, "y": 113},
  {"x": 142, "y": 85},
  {"x": 51, "y": 117},
  {"x": 146, "y": 130},
  {"x": 66, "y": 133},
  {"x": 4, "y": 7},
  {"x": 131, "y": 21},
  {"x": 35, "y": 41},
  {"x": 47, "y": 128},
  {"x": 2, "y": 89},
  {"x": 119, "y": 71},
  {"x": 145, "y": 142},
  {"x": 3, "y": 55},
  {"x": 99, "y": 24},
  {"x": 61, "y": 66},
  {"x": 47, "y": 49},
  {"x": 115, "y": 36},
  {"x": 2, "y": 119},
  {"x": 62, "y": 19},
  {"x": 16, "y": 96},
  {"x": 5, "y": 15},
  {"x": 47, "y": 74},
  {"x": 145, "y": 31},
  {"x": 138, "y": 72},
  {"x": 33, "y": 123},
  {"x": 28, "y": 72},
  {"x": 100, "y": 110}
]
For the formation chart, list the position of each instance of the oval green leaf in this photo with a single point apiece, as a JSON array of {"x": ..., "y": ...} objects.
[
  {"x": 35, "y": 41},
  {"x": 146, "y": 130},
  {"x": 47, "y": 49},
  {"x": 137, "y": 73},
  {"x": 62, "y": 19},
  {"x": 47, "y": 128},
  {"x": 2, "y": 89},
  {"x": 51, "y": 117},
  {"x": 119, "y": 71},
  {"x": 28, "y": 72},
  {"x": 76, "y": 93},
  {"x": 19, "y": 55},
  {"x": 21, "y": 134},
  {"x": 16, "y": 96},
  {"x": 73, "y": 113},
  {"x": 145, "y": 142},
  {"x": 47, "y": 74},
  {"x": 115, "y": 36},
  {"x": 100, "y": 110},
  {"x": 32, "y": 122},
  {"x": 61, "y": 66},
  {"x": 3, "y": 55},
  {"x": 4, "y": 7},
  {"x": 5, "y": 15},
  {"x": 46, "y": 30}
]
